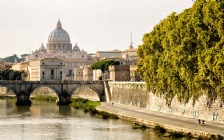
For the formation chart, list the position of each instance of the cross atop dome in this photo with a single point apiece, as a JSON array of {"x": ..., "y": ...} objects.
[{"x": 59, "y": 24}]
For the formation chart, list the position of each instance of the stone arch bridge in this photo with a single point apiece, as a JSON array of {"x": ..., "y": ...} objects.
[{"x": 63, "y": 89}]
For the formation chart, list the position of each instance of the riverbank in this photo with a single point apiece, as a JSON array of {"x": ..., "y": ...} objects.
[
  {"x": 180, "y": 125},
  {"x": 90, "y": 106},
  {"x": 167, "y": 124},
  {"x": 80, "y": 103}
]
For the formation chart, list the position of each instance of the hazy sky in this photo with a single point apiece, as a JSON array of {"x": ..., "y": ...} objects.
[{"x": 93, "y": 24}]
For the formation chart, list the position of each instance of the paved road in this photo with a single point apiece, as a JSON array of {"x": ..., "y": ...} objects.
[{"x": 163, "y": 118}]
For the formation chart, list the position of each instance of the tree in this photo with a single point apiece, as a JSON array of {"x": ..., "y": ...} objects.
[
  {"x": 104, "y": 64},
  {"x": 183, "y": 55},
  {"x": 9, "y": 74},
  {"x": 13, "y": 58}
]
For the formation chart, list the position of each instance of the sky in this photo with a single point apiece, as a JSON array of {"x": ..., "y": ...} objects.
[{"x": 96, "y": 25}]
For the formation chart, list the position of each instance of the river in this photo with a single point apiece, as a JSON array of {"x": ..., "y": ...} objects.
[{"x": 47, "y": 121}]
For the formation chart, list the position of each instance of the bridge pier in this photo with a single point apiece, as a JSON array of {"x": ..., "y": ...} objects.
[
  {"x": 23, "y": 99},
  {"x": 64, "y": 99}
]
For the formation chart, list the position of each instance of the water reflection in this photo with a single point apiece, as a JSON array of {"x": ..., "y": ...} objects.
[
  {"x": 65, "y": 110},
  {"x": 48, "y": 121},
  {"x": 22, "y": 109}
]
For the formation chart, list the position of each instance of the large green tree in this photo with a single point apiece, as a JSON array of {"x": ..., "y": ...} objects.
[{"x": 184, "y": 54}]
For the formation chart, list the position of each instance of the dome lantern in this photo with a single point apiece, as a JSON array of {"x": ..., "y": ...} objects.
[{"x": 59, "y": 24}]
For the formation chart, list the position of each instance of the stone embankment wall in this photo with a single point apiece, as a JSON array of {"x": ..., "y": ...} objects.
[{"x": 136, "y": 94}]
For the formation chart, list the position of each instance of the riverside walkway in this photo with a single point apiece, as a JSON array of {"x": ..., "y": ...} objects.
[{"x": 169, "y": 121}]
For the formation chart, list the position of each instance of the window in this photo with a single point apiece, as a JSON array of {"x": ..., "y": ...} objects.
[
  {"x": 52, "y": 72},
  {"x": 43, "y": 73},
  {"x": 43, "y": 63},
  {"x": 60, "y": 72},
  {"x": 70, "y": 72}
]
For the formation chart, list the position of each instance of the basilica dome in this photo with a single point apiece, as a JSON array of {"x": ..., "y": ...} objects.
[
  {"x": 59, "y": 40},
  {"x": 59, "y": 35}
]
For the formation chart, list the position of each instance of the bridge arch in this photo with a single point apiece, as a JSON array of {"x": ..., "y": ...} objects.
[
  {"x": 44, "y": 88},
  {"x": 86, "y": 92},
  {"x": 7, "y": 89}
]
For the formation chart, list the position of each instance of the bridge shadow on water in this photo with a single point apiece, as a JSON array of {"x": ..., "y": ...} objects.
[
  {"x": 65, "y": 110},
  {"x": 24, "y": 111}
]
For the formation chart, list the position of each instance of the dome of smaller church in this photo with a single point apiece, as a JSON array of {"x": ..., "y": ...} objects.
[
  {"x": 59, "y": 35},
  {"x": 76, "y": 47},
  {"x": 42, "y": 48}
]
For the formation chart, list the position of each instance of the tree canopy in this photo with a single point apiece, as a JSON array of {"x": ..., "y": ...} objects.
[
  {"x": 104, "y": 64},
  {"x": 13, "y": 58},
  {"x": 183, "y": 55},
  {"x": 9, "y": 74}
]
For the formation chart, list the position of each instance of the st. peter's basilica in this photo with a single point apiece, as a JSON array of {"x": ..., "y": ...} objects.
[{"x": 56, "y": 60}]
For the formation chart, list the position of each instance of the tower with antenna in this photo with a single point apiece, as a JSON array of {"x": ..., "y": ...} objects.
[{"x": 131, "y": 45}]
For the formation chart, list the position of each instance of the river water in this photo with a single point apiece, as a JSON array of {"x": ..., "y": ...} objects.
[{"x": 46, "y": 121}]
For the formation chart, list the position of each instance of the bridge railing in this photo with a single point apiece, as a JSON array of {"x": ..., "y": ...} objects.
[{"x": 48, "y": 82}]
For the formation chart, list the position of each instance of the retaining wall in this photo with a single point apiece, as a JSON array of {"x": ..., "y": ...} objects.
[{"x": 135, "y": 94}]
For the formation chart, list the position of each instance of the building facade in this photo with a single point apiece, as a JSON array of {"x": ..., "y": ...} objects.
[
  {"x": 49, "y": 69},
  {"x": 130, "y": 55},
  {"x": 119, "y": 73},
  {"x": 59, "y": 46},
  {"x": 97, "y": 74},
  {"x": 87, "y": 73},
  {"x": 113, "y": 54},
  {"x": 78, "y": 74},
  {"x": 134, "y": 76}
]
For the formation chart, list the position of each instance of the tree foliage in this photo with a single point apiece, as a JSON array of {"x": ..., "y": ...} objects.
[
  {"x": 184, "y": 54},
  {"x": 9, "y": 74},
  {"x": 104, "y": 64},
  {"x": 13, "y": 58}
]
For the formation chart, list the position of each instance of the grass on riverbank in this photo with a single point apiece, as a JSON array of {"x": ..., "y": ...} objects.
[
  {"x": 8, "y": 97},
  {"x": 80, "y": 103},
  {"x": 44, "y": 98},
  {"x": 90, "y": 106},
  {"x": 87, "y": 105}
]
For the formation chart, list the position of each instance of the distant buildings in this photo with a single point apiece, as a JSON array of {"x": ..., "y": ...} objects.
[
  {"x": 78, "y": 74},
  {"x": 60, "y": 47},
  {"x": 46, "y": 69},
  {"x": 60, "y": 61},
  {"x": 119, "y": 73},
  {"x": 4, "y": 65},
  {"x": 113, "y": 54},
  {"x": 87, "y": 73}
]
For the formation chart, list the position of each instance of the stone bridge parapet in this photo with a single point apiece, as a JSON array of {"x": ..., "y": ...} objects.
[{"x": 63, "y": 89}]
